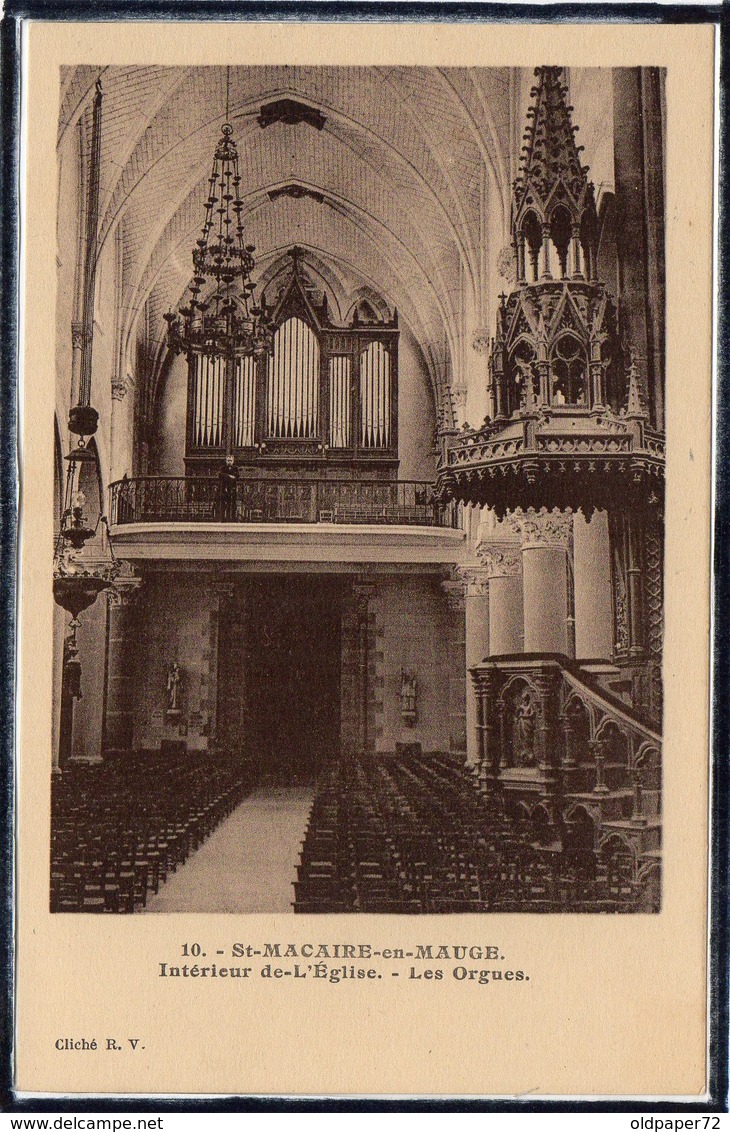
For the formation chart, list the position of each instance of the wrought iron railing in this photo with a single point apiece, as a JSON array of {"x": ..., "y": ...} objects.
[{"x": 150, "y": 499}]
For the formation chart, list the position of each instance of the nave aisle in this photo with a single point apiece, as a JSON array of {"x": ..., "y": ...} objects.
[{"x": 249, "y": 863}]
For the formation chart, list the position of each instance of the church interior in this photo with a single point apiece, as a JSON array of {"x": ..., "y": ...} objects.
[{"x": 359, "y": 489}]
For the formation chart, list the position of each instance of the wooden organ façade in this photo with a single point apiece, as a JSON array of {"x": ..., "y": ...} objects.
[{"x": 323, "y": 402}]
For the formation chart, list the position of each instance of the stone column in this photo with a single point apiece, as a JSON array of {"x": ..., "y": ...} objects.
[
  {"x": 487, "y": 731},
  {"x": 223, "y": 594},
  {"x": 546, "y": 273},
  {"x": 575, "y": 249},
  {"x": 652, "y": 80},
  {"x": 119, "y": 392},
  {"x": 521, "y": 272},
  {"x": 458, "y": 691},
  {"x": 639, "y": 179},
  {"x": 592, "y": 581},
  {"x": 357, "y": 633},
  {"x": 599, "y": 758},
  {"x": 546, "y": 541},
  {"x": 476, "y": 608},
  {"x": 551, "y": 735},
  {"x": 88, "y": 714},
  {"x": 503, "y": 571},
  {"x": 120, "y": 675}
]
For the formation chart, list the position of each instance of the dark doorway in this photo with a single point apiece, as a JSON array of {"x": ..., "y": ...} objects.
[{"x": 279, "y": 659}]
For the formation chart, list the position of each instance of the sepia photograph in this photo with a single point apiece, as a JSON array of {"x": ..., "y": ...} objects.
[
  {"x": 359, "y": 489},
  {"x": 364, "y": 608}
]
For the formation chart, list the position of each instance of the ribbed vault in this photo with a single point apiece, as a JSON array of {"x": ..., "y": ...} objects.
[{"x": 408, "y": 168}]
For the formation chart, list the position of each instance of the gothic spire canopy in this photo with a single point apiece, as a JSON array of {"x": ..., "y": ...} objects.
[
  {"x": 565, "y": 429},
  {"x": 551, "y": 171}
]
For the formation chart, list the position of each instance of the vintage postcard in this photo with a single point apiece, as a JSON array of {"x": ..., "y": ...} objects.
[{"x": 365, "y": 559}]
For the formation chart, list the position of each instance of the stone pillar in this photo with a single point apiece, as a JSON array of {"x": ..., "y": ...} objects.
[
  {"x": 120, "y": 674},
  {"x": 592, "y": 581},
  {"x": 599, "y": 758},
  {"x": 70, "y": 693},
  {"x": 630, "y": 200},
  {"x": 575, "y": 248},
  {"x": 546, "y": 538},
  {"x": 223, "y": 595},
  {"x": 458, "y": 690},
  {"x": 521, "y": 268},
  {"x": 546, "y": 273},
  {"x": 119, "y": 392},
  {"x": 487, "y": 731},
  {"x": 476, "y": 603},
  {"x": 356, "y": 730},
  {"x": 503, "y": 571},
  {"x": 652, "y": 79},
  {"x": 551, "y": 735},
  {"x": 88, "y": 715}
]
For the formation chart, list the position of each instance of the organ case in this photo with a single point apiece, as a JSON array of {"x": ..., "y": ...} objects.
[{"x": 324, "y": 401}]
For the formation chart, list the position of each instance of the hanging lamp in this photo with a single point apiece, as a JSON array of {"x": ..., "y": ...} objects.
[
  {"x": 219, "y": 317},
  {"x": 83, "y": 565}
]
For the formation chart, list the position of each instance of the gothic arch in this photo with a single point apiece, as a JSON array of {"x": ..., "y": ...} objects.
[
  {"x": 611, "y": 843},
  {"x": 368, "y": 295},
  {"x": 580, "y": 828}
]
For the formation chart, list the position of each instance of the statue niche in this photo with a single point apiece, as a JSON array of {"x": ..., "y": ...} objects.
[
  {"x": 408, "y": 694},
  {"x": 523, "y": 719}
]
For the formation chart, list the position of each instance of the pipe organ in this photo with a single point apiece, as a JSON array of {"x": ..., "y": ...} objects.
[{"x": 325, "y": 395}]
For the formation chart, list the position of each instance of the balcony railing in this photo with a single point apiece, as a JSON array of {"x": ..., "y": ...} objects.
[{"x": 158, "y": 499}]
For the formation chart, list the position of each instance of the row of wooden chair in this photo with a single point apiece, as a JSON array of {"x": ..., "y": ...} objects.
[
  {"x": 120, "y": 829},
  {"x": 414, "y": 834}
]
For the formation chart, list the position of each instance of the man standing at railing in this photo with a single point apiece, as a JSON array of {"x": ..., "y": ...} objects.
[
  {"x": 124, "y": 508},
  {"x": 227, "y": 481}
]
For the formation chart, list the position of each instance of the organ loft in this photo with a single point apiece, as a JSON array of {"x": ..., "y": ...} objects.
[{"x": 359, "y": 490}]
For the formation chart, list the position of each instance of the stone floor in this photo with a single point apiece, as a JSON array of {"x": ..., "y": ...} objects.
[{"x": 249, "y": 863}]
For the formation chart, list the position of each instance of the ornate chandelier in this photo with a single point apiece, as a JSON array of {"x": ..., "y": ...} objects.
[{"x": 221, "y": 318}]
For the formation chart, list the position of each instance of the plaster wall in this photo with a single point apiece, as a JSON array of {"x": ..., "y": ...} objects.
[
  {"x": 414, "y": 626},
  {"x": 173, "y": 625}
]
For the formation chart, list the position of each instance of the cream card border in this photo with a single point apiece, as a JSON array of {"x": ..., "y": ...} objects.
[{"x": 616, "y": 1005}]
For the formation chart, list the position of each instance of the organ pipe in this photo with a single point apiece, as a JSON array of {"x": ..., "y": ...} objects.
[
  {"x": 209, "y": 388},
  {"x": 293, "y": 382},
  {"x": 375, "y": 396},
  {"x": 340, "y": 375},
  {"x": 244, "y": 402}
]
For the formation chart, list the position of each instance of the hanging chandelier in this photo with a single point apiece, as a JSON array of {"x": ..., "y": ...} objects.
[
  {"x": 221, "y": 318},
  {"x": 84, "y": 563}
]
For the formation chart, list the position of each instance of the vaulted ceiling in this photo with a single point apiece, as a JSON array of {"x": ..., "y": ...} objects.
[{"x": 397, "y": 181}]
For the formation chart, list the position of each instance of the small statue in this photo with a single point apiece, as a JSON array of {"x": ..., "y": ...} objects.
[
  {"x": 408, "y": 693},
  {"x": 523, "y": 733},
  {"x": 173, "y": 687}
]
